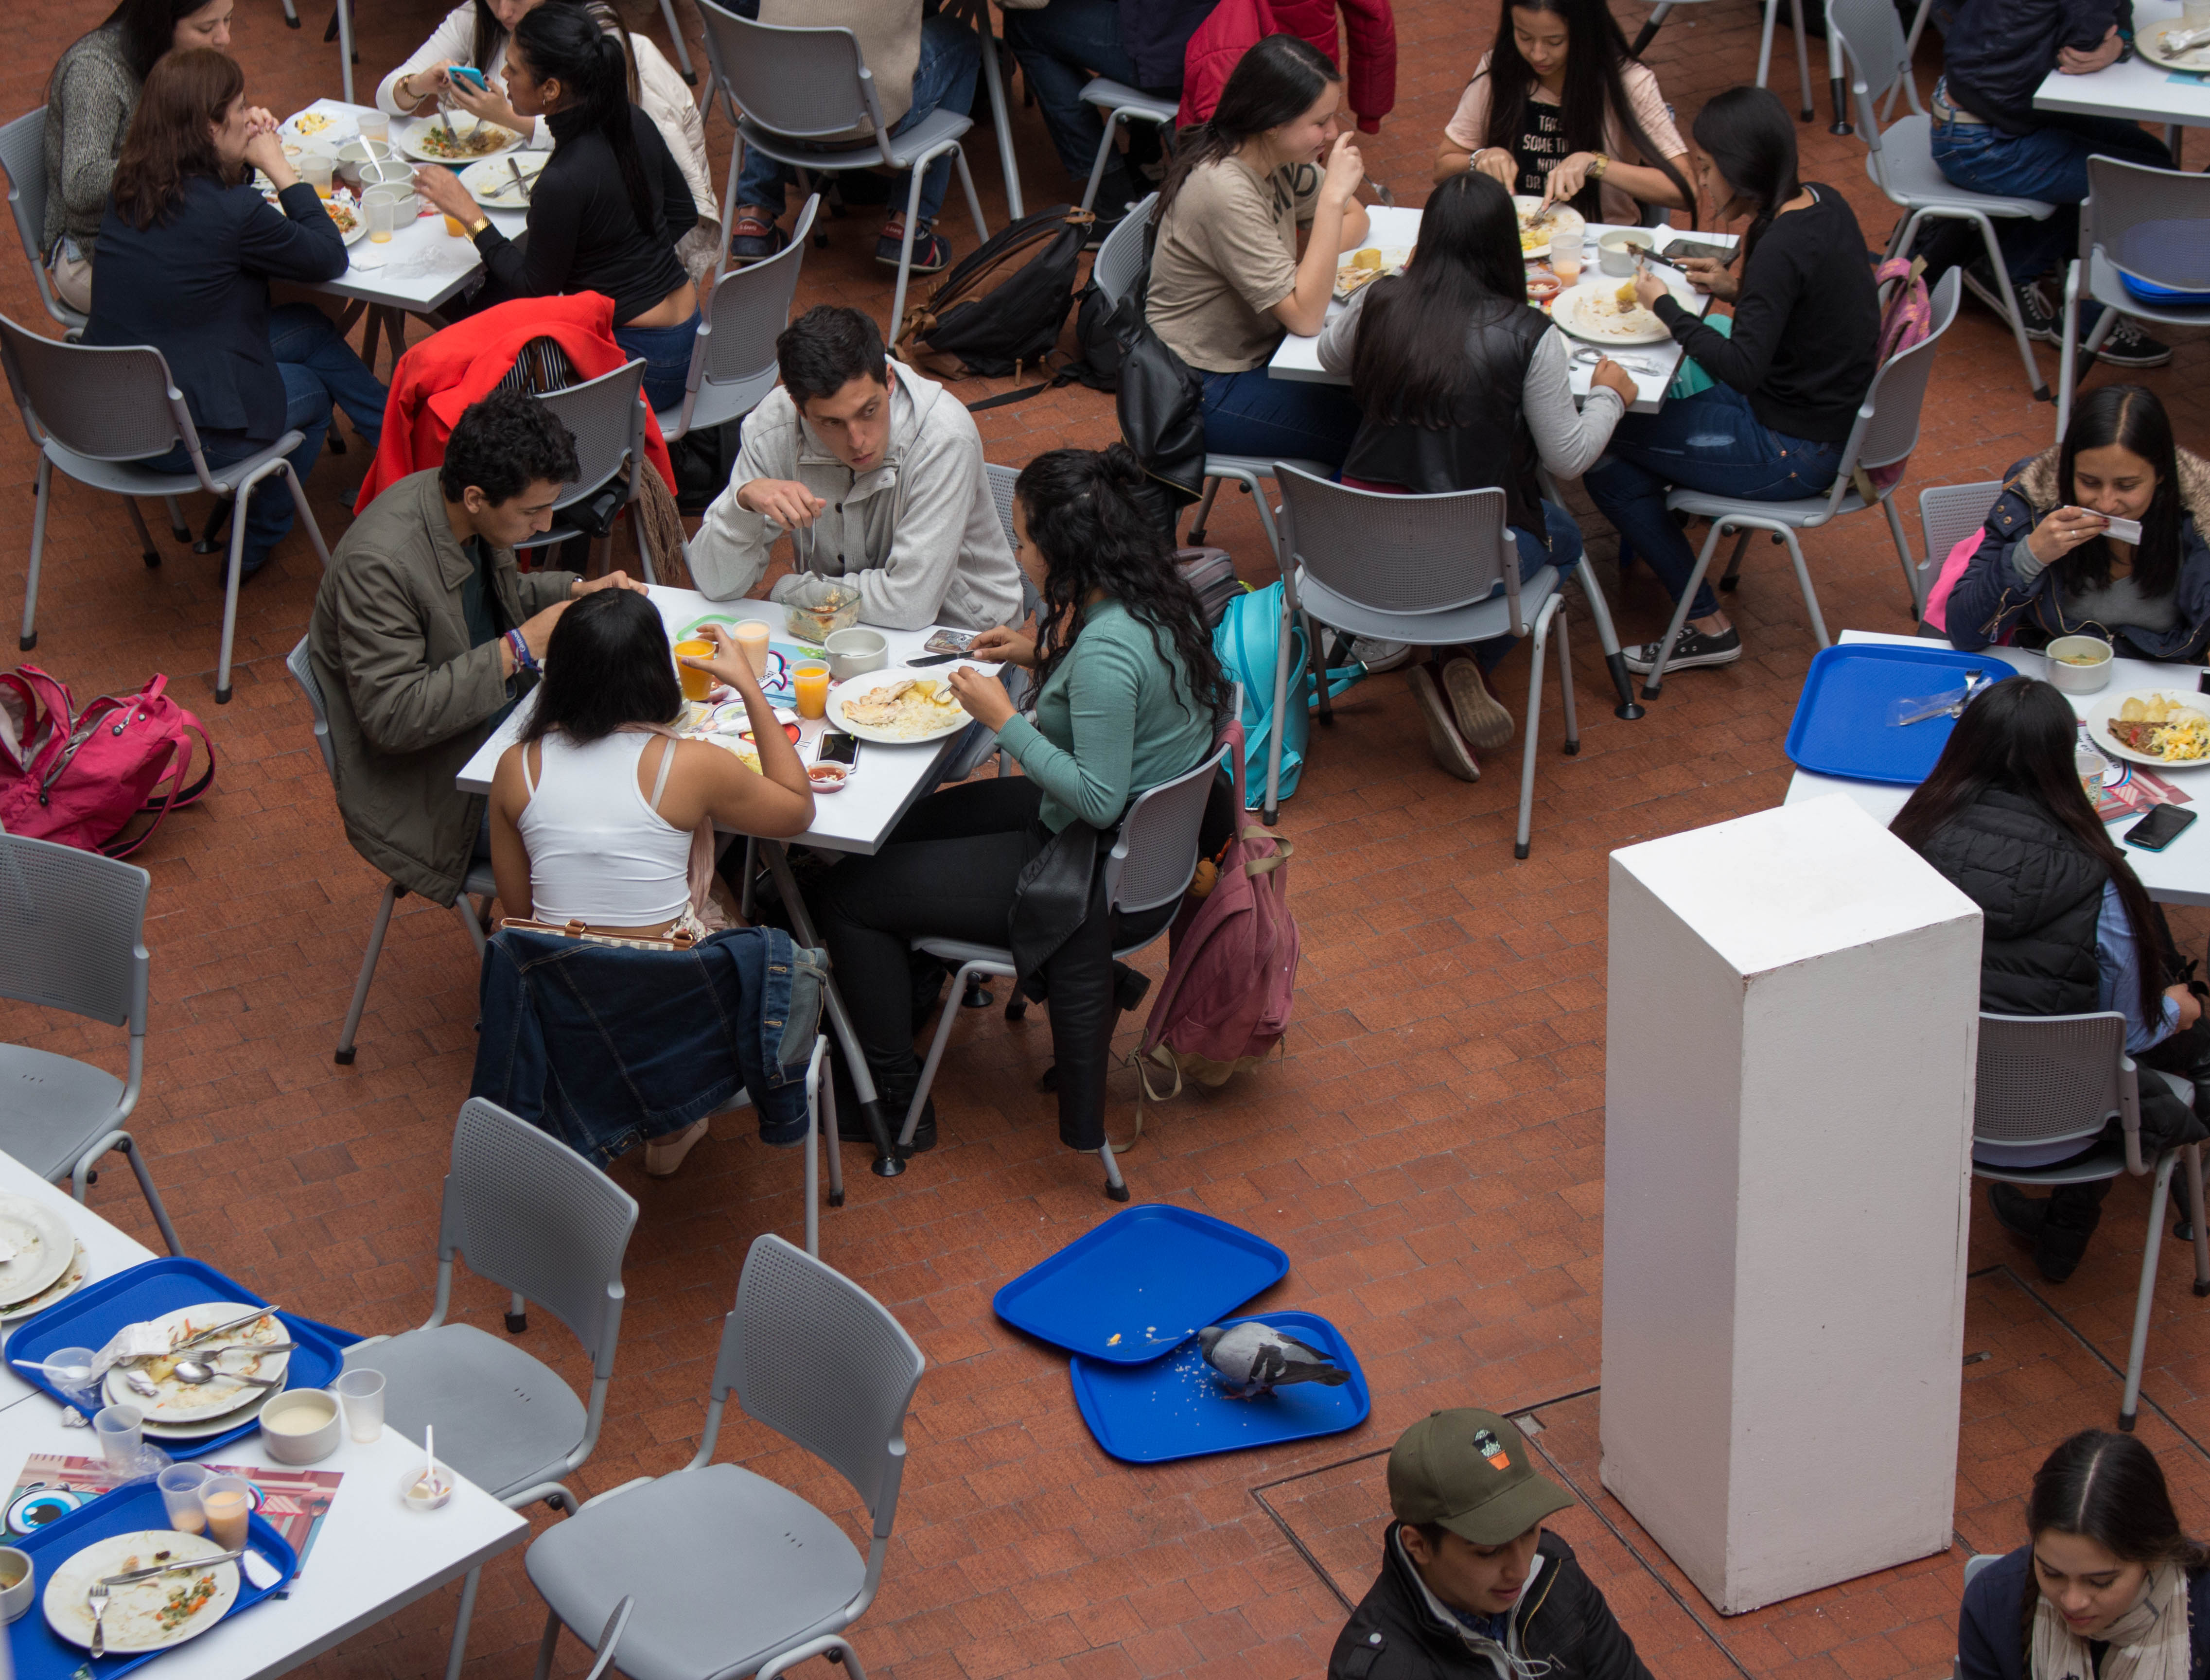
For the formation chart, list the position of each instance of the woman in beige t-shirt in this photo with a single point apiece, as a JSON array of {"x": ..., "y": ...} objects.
[
  {"x": 1553, "y": 108},
  {"x": 1227, "y": 283}
]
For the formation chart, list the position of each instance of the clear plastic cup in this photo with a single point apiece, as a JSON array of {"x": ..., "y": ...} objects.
[
  {"x": 1565, "y": 256},
  {"x": 360, "y": 1391},
  {"x": 382, "y": 209},
  {"x": 121, "y": 1431},
  {"x": 2091, "y": 765},
  {"x": 375, "y": 126},
  {"x": 315, "y": 169},
  {"x": 180, "y": 1485},
  {"x": 228, "y": 1501},
  {"x": 809, "y": 687},
  {"x": 70, "y": 1359}
]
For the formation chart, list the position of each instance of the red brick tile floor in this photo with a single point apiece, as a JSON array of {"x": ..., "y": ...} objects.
[{"x": 1428, "y": 1150}]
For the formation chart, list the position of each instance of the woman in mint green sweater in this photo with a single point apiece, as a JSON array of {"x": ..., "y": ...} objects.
[{"x": 1126, "y": 698}]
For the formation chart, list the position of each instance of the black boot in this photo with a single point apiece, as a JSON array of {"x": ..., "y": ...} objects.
[
  {"x": 896, "y": 1096},
  {"x": 2020, "y": 1214},
  {"x": 2075, "y": 1211}
]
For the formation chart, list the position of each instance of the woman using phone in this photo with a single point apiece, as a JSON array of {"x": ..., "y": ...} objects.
[
  {"x": 2049, "y": 564},
  {"x": 2068, "y": 930},
  {"x": 1558, "y": 109},
  {"x": 1789, "y": 380}
]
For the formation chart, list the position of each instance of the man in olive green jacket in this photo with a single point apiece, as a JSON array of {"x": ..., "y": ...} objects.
[{"x": 424, "y": 634}]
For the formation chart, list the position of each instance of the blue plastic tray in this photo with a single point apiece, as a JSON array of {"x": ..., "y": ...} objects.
[
  {"x": 1175, "y": 1408},
  {"x": 1140, "y": 1285},
  {"x": 1841, "y": 726},
  {"x": 40, "y": 1653},
  {"x": 95, "y": 1313}
]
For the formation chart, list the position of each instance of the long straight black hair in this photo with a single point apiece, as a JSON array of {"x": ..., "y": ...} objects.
[
  {"x": 1596, "y": 58},
  {"x": 2018, "y": 736},
  {"x": 564, "y": 42},
  {"x": 490, "y": 35},
  {"x": 1410, "y": 366},
  {"x": 1277, "y": 81},
  {"x": 2133, "y": 418},
  {"x": 606, "y": 663},
  {"x": 1752, "y": 139},
  {"x": 149, "y": 29}
]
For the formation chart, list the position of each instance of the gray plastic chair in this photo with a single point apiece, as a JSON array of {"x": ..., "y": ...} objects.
[
  {"x": 1900, "y": 161},
  {"x": 606, "y": 416},
  {"x": 23, "y": 155},
  {"x": 797, "y": 88},
  {"x": 538, "y": 1219},
  {"x": 1979, "y": 1560},
  {"x": 73, "y": 937},
  {"x": 733, "y": 363},
  {"x": 1949, "y": 513},
  {"x": 97, "y": 414},
  {"x": 1150, "y": 864},
  {"x": 1117, "y": 103},
  {"x": 2060, "y": 1079},
  {"x": 2148, "y": 223},
  {"x": 1122, "y": 254},
  {"x": 1885, "y": 430},
  {"x": 725, "y": 1572},
  {"x": 479, "y": 883}
]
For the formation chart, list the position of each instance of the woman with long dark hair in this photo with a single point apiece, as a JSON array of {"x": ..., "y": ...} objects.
[
  {"x": 2047, "y": 564},
  {"x": 2108, "y": 1587},
  {"x": 190, "y": 247},
  {"x": 2070, "y": 929},
  {"x": 1789, "y": 379},
  {"x": 1227, "y": 283},
  {"x": 1560, "y": 109},
  {"x": 90, "y": 98},
  {"x": 1127, "y": 688},
  {"x": 609, "y": 205},
  {"x": 1461, "y": 386}
]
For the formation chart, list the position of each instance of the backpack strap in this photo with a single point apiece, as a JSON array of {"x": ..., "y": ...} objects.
[{"x": 174, "y": 778}]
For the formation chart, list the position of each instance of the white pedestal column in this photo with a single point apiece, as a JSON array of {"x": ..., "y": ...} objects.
[{"x": 1791, "y": 1025}]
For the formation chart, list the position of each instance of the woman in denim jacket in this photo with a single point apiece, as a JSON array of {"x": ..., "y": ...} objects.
[{"x": 2046, "y": 569}]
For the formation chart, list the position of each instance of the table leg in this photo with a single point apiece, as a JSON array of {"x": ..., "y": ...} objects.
[
  {"x": 345, "y": 47},
  {"x": 887, "y": 1164}
]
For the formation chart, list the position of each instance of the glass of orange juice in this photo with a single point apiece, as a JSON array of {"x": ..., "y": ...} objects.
[
  {"x": 696, "y": 684},
  {"x": 453, "y": 226},
  {"x": 810, "y": 684}
]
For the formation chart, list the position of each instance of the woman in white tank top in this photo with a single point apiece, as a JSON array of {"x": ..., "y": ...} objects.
[{"x": 593, "y": 812}]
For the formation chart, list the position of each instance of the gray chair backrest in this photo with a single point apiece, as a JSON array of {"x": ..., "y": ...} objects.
[
  {"x": 2151, "y": 223},
  {"x": 1002, "y": 480},
  {"x": 1899, "y": 389},
  {"x": 1951, "y": 512},
  {"x": 535, "y": 1218},
  {"x": 1979, "y": 1560},
  {"x": 1398, "y": 554},
  {"x": 2048, "y": 1077},
  {"x": 301, "y": 665},
  {"x": 819, "y": 1360},
  {"x": 109, "y": 403},
  {"x": 749, "y": 310},
  {"x": 1119, "y": 258},
  {"x": 1156, "y": 856},
  {"x": 801, "y": 83},
  {"x": 73, "y": 931},
  {"x": 607, "y": 422},
  {"x": 23, "y": 155}
]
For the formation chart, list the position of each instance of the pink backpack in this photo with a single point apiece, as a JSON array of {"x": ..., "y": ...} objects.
[
  {"x": 79, "y": 779},
  {"x": 1905, "y": 318},
  {"x": 1232, "y": 980}
]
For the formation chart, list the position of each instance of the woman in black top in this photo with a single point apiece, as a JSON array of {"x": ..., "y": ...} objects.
[
  {"x": 1806, "y": 320},
  {"x": 609, "y": 205}
]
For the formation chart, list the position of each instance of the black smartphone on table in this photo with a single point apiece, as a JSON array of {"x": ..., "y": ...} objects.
[
  {"x": 2158, "y": 830},
  {"x": 838, "y": 748},
  {"x": 1680, "y": 248}
]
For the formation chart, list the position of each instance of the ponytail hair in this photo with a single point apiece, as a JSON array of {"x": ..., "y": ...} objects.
[
  {"x": 1277, "y": 81},
  {"x": 564, "y": 43},
  {"x": 1752, "y": 139}
]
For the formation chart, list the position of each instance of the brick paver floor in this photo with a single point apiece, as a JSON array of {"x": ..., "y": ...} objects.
[{"x": 1428, "y": 1150}]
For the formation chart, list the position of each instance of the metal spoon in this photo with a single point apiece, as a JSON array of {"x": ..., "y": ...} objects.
[{"x": 191, "y": 1371}]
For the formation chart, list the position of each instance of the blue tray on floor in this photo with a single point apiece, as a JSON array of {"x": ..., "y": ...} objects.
[
  {"x": 1174, "y": 1408},
  {"x": 1841, "y": 726},
  {"x": 1140, "y": 1285},
  {"x": 92, "y": 1316},
  {"x": 40, "y": 1653}
]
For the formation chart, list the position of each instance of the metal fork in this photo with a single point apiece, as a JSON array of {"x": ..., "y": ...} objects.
[{"x": 97, "y": 1597}]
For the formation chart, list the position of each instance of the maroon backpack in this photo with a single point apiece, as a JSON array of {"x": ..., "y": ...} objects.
[{"x": 79, "y": 778}]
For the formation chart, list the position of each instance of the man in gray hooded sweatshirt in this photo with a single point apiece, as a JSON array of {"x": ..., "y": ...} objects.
[{"x": 877, "y": 474}]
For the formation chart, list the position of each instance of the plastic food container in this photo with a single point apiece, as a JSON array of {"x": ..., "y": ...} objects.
[
  {"x": 2079, "y": 664},
  {"x": 1616, "y": 250},
  {"x": 1543, "y": 286},
  {"x": 815, "y": 624}
]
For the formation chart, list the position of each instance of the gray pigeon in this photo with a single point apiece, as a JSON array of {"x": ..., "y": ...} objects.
[{"x": 1253, "y": 1359}]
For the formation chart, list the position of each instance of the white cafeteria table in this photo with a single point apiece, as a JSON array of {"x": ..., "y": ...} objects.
[
  {"x": 1298, "y": 358},
  {"x": 2179, "y": 874},
  {"x": 2135, "y": 91},
  {"x": 108, "y": 1249},
  {"x": 858, "y": 819}
]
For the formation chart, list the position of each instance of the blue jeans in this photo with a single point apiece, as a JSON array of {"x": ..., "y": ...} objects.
[
  {"x": 1278, "y": 420},
  {"x": 667, "y": 353},
  {"x": 1713, "y": 442},
  {"x": 304, "y": 338},
  {"x": 2050, "y": 164},
  {"x": 1060, "y": 48},
  {"x": 951, "y": 59}
]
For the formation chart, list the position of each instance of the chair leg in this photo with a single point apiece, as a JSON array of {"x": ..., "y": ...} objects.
[
  {"x": 177, "y": 528},
  {"x": 905, "y": 249},
  {"x": 1734, "y": 564},
  {"x": 831, "y": 1144},
  {"x": 1270, "y": 813},
  {"x": 1802, "y": 66},
  {"x": 945, "y": 1017},
  {"x": 464, "y": 908},
  {"x": 1566, "y": 684},
  {"x": 1204, "y": 511},
  {"x": 29, "y": 638},
  {"x": 1911, "y": 580},
  {"x": 1810, "y": 595},
  {"x": 1316, "y": 663},
  {"x": 2034, "y": 382},
  {"x": 460, "y": 1625},
  {"x": 548, "y": 1645},
  {"x": 746, "y": 899},
  {"x": 974, "y": 199},
  {"x": 345, "y": 66},
  {"x": 147, "y": 551},
  {"x": 1765, "y": 42},
  {"x": 1097, "y": 169},
  {"x": 1541, "y": 641},
  {"x": 1655, "y": 682},
  {"x": 2200, "y": 1227},
  {"x": 2158, "y": 1198},
  {"x": 136, "y": 1157},
  {"x": 242, "y": 503},
  {"x": 675, "y": 37},
  {"x": 345, "y": 1051},
  {"x": 1608, "y": 638},
  {"x": 1649, "y": 29},
  {"x": 1116, "y": 1187},
  {"x": 993, "y": 79}
]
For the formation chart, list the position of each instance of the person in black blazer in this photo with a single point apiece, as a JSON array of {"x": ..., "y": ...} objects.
[{"x": 189, "y": 248}]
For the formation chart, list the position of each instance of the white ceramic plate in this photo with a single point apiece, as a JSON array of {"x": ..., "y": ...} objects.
[
  {"x": 1526, "y": 205},
  {"x": 858, "y": 687},
  {"x": 485, "y": 179},
  {"x": 139, "y": 1613},
  {"x": 324, "y": 129},
  {"x": 1350, "y": 280},
  {"x": 414, "y": 138},
  {"x": 348, "y": 211},
  {"x": 42, "y": 1244},
  {"x": 2107, "y": 707},
  {"x": 70, "y": 1281},
  {"x": 182, "y": 1403},
  {"x": 230, "y": 1420},
  {"x": 2149, "y": 43},
  {"x": 1585, "y": 310}
]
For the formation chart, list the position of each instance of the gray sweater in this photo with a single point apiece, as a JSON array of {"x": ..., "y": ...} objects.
[{"x": 88, "y": 107}]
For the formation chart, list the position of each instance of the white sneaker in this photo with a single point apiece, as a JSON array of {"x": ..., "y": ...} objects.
[{"x": 1378, "y": 656}]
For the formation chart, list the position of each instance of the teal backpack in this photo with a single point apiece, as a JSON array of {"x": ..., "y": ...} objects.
[{"x": 1248, "y": 641}]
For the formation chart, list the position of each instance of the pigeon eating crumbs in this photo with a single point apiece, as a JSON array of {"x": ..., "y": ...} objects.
[{"x": 1253, "y": 1359}]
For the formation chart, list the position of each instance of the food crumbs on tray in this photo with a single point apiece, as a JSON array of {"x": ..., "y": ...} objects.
[{"x": 1113, "y": 1340}]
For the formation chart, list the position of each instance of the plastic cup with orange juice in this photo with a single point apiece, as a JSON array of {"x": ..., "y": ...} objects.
[
  {"x": 751, "y": 635},
  {"x": 809, "y": 683},
  {"x": 453, "y": 226},
  {"x": 698, "y": 684}
]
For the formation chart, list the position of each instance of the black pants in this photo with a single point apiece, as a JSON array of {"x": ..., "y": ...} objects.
[{"x": 948, "y": 871}]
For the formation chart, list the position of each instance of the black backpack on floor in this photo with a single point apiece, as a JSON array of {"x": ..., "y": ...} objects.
[{"x": 999, "y": 311}]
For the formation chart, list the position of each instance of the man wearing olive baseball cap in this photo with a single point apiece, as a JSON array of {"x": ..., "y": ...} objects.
[{"x": 1470, "y": 1586}]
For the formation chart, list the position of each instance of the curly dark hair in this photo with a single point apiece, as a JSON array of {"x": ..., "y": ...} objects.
[
  {"x": 1094, "y": 537},
  {"x": 608, "y": 663},
  {"x": 504, "y": 445}
]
